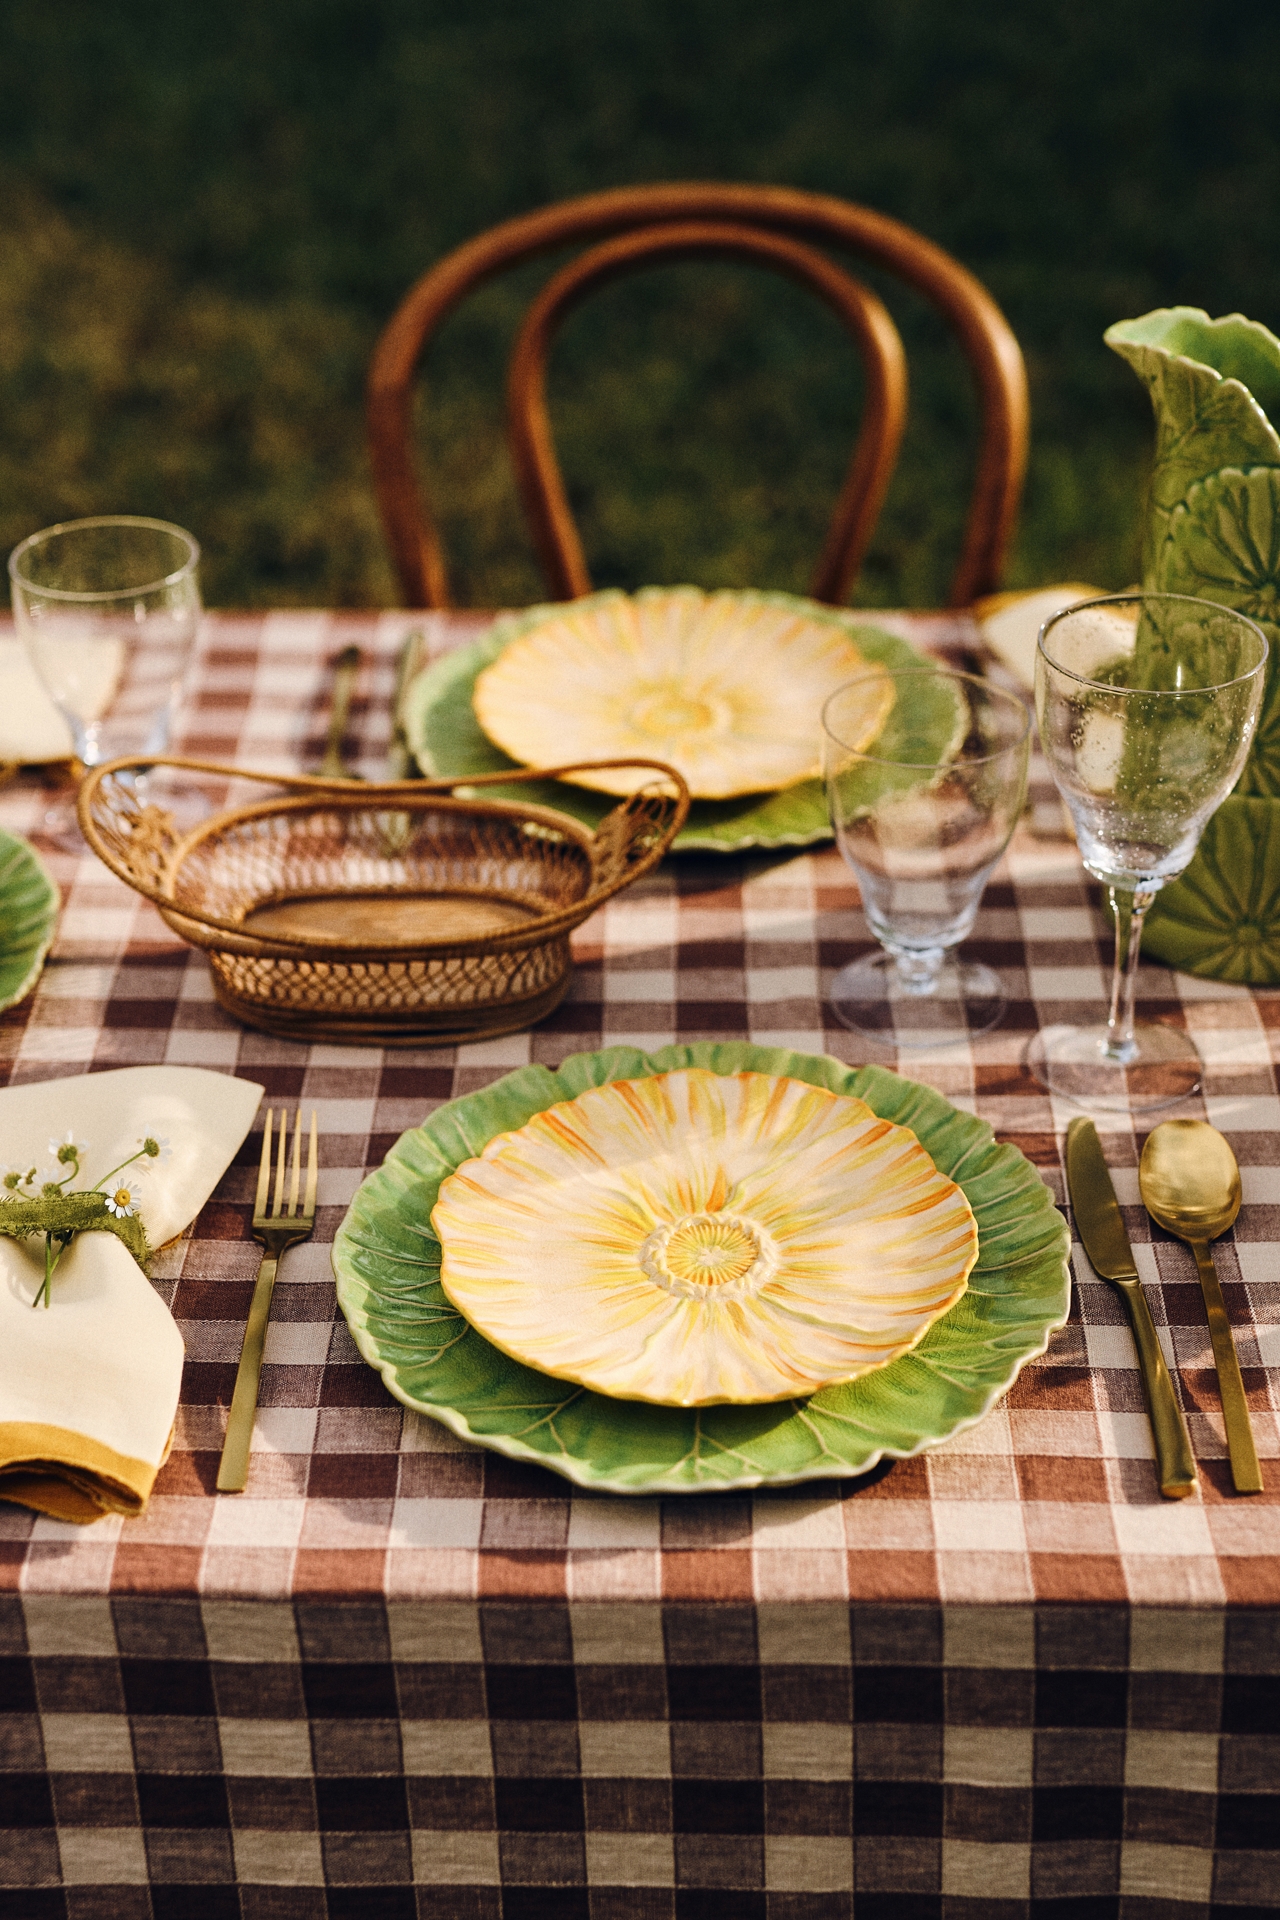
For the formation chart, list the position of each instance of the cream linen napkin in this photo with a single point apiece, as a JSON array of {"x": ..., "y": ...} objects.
[
  {"x": 89, "y": 1385},
  {"x": 31, "y": 728}
]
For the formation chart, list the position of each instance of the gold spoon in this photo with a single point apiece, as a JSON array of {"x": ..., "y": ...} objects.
[{"x": 1190, "y": 1185}]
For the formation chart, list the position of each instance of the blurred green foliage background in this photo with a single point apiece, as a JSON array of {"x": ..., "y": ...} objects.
[{"x": 208, "y": 211}]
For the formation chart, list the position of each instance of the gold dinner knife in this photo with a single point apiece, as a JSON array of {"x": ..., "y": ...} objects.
[{"x": 1102, "y": 1229}]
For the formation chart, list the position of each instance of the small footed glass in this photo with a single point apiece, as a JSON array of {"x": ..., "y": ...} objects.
[
  {"x": 109, "y": 610},
  {"x": 922, "y": 813},
  {"x": 1147, "y": 705}
]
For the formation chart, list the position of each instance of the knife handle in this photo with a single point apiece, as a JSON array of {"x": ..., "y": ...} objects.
[{"x": 1175, "y": 1462}]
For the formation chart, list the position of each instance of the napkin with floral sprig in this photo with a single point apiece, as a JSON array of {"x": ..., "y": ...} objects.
[{"x": 98, "y": 1172}]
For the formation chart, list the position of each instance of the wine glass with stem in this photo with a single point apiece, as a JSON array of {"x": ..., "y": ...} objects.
[
  {"x": 1147, "y": 705},
  {"x": 108, "y": 609},
  {"x": 922, "y": 811}
]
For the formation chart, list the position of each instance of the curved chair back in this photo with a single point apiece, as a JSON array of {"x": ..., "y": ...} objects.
[
  {"x": 884, "y": 412},
  {"x": 984, "y": 334}
]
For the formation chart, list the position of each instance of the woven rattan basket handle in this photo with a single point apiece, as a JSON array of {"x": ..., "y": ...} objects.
[{"x": 141, "y": 845}]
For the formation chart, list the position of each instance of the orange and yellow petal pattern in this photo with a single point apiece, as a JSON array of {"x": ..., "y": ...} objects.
[
  {"x": 728, "y": 687},
  {"x": 697, "y": 1238}
]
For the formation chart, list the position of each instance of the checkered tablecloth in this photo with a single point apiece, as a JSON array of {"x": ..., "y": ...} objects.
[{"x": 400, "y": 1676}]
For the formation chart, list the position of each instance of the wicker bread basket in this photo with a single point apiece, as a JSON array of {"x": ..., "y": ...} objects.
[{"x": 398, "y": 915}]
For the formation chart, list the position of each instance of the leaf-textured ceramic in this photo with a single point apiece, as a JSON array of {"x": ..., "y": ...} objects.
[
  {"x": 387, "y": 1263},
  {"x": 29, "y": 901},
  {"x": 1221, "y": 918},
  {"x": 696, "y": 1239},
  {"x": 728, "y": 687},
  {"x": 1213, "y": 508}
]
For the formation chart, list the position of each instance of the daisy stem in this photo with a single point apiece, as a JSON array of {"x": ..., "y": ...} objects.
[
  {"x": 98, "y": 1186},
  {"x": 51, "y": 1260}
]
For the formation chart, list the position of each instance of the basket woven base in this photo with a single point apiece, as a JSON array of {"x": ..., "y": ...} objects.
[{"x": 446, "y": 1029}]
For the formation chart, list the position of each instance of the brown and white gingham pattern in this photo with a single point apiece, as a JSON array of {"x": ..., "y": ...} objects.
[
  {"x": 624, "y": 1761},
  {"x": 1071, "y": 1687}
]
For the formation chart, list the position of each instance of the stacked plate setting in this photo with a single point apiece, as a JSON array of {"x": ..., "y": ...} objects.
[
  {"x": 728, "y": 687},
  {"x": 976, "y": 1322}
]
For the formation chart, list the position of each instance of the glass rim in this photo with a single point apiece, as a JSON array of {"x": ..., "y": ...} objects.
[
  {"x": 1136, "y": 599},
  {"x": 98, "y": 595},
  {"x": 1008, "y": 698}
]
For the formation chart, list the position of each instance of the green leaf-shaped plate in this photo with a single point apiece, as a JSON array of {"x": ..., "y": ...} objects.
[
  {"x": 387, "y": 1263},
  {"x": 447, "y": 739},
  {"x": 1221, "y": 918},
  {"x": 29, "y": 902}
]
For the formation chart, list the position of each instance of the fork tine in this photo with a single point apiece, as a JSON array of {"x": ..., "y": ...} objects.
[
  {"x": 264, "y": 1169},
  {"x": 280, "y": 1163},
  {"x": 297, "y": 1164},
  {"x": 309, "y": 1203}
]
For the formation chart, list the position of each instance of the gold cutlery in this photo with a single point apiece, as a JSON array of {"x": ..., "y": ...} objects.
[
  {"x": 277, "y": 1230},
  {"x": 396, "y": 828},
  {"x": 1191, "y": 1186},
  {"x": 401, "y": 764},
  {"x": 1102, "y": 1229},
  {"x": 346, "y": 667}
]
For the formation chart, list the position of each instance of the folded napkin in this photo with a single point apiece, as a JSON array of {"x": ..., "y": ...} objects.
[
  {"x": 89, "y": 1385},
  {"x": 1011, "y": 623},
  {"x": 31, "y": 728}
]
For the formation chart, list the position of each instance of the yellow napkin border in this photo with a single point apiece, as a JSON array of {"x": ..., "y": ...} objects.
[{"x": 69, "y": 1476}]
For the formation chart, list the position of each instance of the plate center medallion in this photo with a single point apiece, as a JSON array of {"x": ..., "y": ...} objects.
[
  {"x": 670, "y": 708},
  {"x": 709, "y": 1256}
]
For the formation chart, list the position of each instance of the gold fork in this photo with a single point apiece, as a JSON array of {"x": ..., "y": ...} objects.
[{"x": 276, "y": 1230}]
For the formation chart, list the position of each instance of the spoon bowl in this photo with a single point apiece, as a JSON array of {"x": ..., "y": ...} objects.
[
  {"x": 1189, "y": 1180},
  {"x": 1190, "y": 1186}
]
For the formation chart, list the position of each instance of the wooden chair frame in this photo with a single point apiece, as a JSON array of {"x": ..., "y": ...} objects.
[
  {"x": 867, "y": 319},
  {"x": 984, "y": 334}
]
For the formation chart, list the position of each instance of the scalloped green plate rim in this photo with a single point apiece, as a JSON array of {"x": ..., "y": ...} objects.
[
  {"x": 387, "y": 1265},
  {"x": 29, "y": 904},
  {"x": 446, "y": 738}
]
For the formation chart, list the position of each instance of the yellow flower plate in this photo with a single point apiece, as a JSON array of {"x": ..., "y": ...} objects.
[
  {"x": 387, "y": 1262},
  {"x": 695, "y": 1238},
  {"x": 440, "y": 724},
  {"x": 728, "y": 687}
]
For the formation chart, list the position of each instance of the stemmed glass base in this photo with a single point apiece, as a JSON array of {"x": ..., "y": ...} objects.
[
  {"x": 1161, "y": 1066},
  {"x": 875, "y": 998},
  {"x": 58, "y": 826}
]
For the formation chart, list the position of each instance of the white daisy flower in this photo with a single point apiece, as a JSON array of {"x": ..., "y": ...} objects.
[
  {"x": 67, "y": 1149},
  {"x": 156, "y": 1151},
  {"x": 123, "y": 1203}
]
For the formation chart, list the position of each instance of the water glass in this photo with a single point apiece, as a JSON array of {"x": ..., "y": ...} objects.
[
  {"x": 109, "y": 609},
  {"x": 922, "y": 815},
  {"x": 1147, "y": 705}
]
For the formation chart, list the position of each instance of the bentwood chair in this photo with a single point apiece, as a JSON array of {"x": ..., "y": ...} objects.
[{"x": 639, "y": 226}]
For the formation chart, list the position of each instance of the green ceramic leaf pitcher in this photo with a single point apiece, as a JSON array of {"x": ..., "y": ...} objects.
[{"x": 1213, "y": 530}]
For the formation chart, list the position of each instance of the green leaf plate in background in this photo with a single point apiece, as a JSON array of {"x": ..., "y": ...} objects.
[
  {"x": 447, "y": 739},
  {"x": 387, "y": 1264},
  {"x": 29, "y": 903}
]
